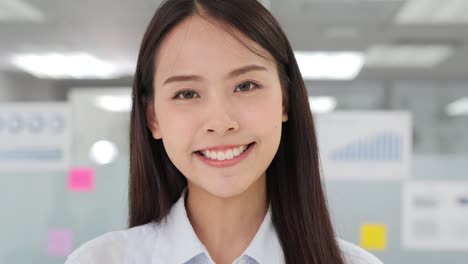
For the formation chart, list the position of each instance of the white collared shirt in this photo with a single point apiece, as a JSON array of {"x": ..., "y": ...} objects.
[{"x": 175, "y": 241}]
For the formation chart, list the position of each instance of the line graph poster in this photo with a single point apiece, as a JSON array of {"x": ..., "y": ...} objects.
[
  {"x": 435, "y": 215},
  {"x": 34, "y": 136},
  {"x": 365, "y": 145}
]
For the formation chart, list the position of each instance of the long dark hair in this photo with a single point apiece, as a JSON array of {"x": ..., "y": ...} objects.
[{"x": 294, "y": 185}]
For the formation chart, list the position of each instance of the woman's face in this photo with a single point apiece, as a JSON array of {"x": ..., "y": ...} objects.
[{"x": 212, "y": 91}]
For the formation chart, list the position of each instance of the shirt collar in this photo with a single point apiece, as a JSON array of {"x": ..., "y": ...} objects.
[{"x": 181, "y": 243}]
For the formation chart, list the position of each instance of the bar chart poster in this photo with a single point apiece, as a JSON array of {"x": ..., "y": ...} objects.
[
  {"x": 435, "y": 215},
  {"x": 34, "y": 136},
  {"x": 364, "y": 145}
]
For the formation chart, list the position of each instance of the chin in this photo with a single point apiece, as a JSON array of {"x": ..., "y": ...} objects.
[{"x": 226, "y": 192}]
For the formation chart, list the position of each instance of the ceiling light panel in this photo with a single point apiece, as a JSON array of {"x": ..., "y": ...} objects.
[
  {"x": 19, "y": 10},
  {"x": 407, "y": 55},
  {"x": 433, "y": 12},
  {"x": 63, "y": 66},
  {"x": 114, "y": 103},
  {"x": 459, "y": 107},
  {"x": 329, "y": 65},
  {"x": 322, "y": 104}
]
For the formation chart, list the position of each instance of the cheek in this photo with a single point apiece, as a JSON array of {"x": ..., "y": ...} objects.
[
  {"x": 264, "y": 115},
  {"x": 172, "y": 119},
  {"x": 177, "y": 128}
]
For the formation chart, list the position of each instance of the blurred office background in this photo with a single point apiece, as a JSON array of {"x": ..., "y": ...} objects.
[{"x": 373, "y": 55}]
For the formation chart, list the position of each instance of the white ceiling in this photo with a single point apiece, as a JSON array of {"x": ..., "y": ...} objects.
[{"x": 112, "y": 31}]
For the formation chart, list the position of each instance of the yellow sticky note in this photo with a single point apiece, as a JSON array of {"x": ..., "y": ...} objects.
[{"x": 374, "y": 236}]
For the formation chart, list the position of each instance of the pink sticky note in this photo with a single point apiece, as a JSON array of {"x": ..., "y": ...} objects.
[
  {"x": 81, "y": 179},
  {"x": 59, "y": 242}
]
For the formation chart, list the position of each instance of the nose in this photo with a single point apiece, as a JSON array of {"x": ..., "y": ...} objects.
[{"x": 220, "y": 118}]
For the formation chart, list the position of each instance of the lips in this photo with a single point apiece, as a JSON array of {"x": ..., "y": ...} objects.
[{"x": 226, "y": 162}]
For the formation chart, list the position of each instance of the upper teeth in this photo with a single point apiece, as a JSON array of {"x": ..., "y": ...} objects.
[{"x": 224, "y": 155}]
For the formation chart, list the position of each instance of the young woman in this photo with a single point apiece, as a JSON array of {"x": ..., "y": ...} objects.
[{"x": 224, "y": 164}]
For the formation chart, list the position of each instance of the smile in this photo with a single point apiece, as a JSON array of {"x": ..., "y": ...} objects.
[{"x": 225, "y": 158}]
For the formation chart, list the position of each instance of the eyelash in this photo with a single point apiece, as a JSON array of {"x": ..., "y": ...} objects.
[{"x": 177, "y": 95}]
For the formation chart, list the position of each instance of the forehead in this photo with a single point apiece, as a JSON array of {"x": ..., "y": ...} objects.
[{"x": 198, "y": 45}]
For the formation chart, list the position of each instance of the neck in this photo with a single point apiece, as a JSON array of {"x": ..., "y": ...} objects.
[{"x": 226, "y": 226}]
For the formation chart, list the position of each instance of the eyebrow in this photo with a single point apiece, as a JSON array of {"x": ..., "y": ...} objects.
[{"x": 232, "y": 74}]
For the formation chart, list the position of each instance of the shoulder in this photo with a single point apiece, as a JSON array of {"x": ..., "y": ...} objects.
[
  {"x": 356, "y": 255},
  {"x": 113, "y": 247}
]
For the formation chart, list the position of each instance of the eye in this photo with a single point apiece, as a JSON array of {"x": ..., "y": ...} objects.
[
  {"x": 247, "y": 86},
  {"x": 185, "y": 94}
]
